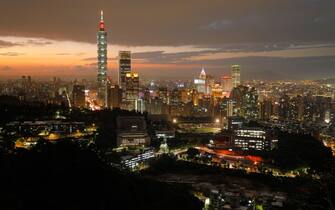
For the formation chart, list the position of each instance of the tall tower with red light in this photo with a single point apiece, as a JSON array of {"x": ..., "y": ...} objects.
[{"x": 102, "y": 62}]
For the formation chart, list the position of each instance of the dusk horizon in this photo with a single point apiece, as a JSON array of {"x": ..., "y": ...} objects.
[
  {"x": 167, "y": 104},
  {"x": 270, "y": 40}
]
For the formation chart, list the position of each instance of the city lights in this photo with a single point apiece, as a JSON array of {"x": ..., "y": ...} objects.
[{"x": 167, "y": 105}]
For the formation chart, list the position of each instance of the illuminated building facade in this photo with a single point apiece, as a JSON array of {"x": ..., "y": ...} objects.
[
  {"x": 200, "y": 82},
  {"x": 102, "y": 62},
  {"x": 236, "y": 75},
  {"x": 226, "y": 83},
  {"x": 132, "y": 162},
  {"x": 132, "y": 89},
  {"x": 124, "y": 69},
  {"x": 253, "y": 139}
]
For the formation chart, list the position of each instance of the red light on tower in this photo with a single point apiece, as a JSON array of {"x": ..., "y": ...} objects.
[
  {"x": 102, "y": 26},
  {"x": 102, "y": 23}
]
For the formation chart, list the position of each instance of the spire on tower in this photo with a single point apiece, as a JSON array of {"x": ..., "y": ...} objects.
[
  {"x": 102, "y": 24},
  {"x": 202, "y": 73},
  {"x": 101, "y": 15}
]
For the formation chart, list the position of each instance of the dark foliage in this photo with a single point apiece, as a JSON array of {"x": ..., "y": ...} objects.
[
  {"x": 298, "y": 150},
  {"x": 303, "y": 192},
  {"x": 66, "y": 176},
  {"x": 192, "y": 153}
]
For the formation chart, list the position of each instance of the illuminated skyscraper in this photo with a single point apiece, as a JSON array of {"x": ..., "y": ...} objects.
[
  {"x": 102, "y": 62},
  {"x": 200, "y": 82},
  {"x": 202, "y": 74},
  {"x": 132, "y": 88},
  {"x": 226, "y": 83},
  {"x": 124, "y": 69},
  {"x": 235, "y": 75}
]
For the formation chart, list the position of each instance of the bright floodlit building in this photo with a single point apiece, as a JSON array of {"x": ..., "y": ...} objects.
[
  {"x": 236, "y": 75},
  {"x": 253, "y": 139},
  {"x": 132, "y": 89},
  {"x": 200, "y": 82}
]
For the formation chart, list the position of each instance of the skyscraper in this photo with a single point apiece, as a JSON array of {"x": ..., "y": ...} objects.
[
  {"x": 114, "y": 97},
  {"x": 200, "y": 82},
  {"x": 78, "y": 96},
  {"x": 124, "y": 69},
  {"x": 235, "y": 75},
  {"x": 132, "y": 88},
  {"x": 102, "y": 62},
  {"x": 226, "y": 83}
]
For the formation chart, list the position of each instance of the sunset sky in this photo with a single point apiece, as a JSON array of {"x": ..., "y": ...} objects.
[{"x": 270, "y": 39}]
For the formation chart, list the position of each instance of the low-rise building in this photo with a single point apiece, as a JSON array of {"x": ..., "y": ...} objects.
[
  {"x": 133, "y": 161},
  {"x": 254, "y": 139},
  {"x": 132, "y": 131}
]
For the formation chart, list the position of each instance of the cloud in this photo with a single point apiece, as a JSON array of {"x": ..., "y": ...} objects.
[
  {"x": 163, "y": 57},
  {"x": 11, "y": 54},
  {"x": 37, "y": 42},
  {"x": 173, "y": 22},
  {"x": 266, "y": 68},
  {"x": 5, "y": 44},
  {"x": 294, "y": 35},
  {"x": 217, "y": 25},
  {"x": 324, "y": 19},
  {"x": 67, "y": 54},
  {"x": 30, "y": 42},
  {"x": 237, "y": 51},
  {"x": 33, "y": 42}
]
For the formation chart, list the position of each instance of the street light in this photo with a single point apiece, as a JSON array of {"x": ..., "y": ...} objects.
[{"x": 174, "y": 120}]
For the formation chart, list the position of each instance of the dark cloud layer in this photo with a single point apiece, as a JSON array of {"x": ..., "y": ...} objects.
[{"x": 172, "y": 22}]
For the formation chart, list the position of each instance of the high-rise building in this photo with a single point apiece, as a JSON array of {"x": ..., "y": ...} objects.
[
  {"x": 249, "y": 103},
  {"x": 78, "y": 96},
  {"x": 226, "y": 83},
  {"x": 284, "y": 106},
  {"x": 132, "y": 89},
  {"x": 266, "y": 109},
  {"x": 200, "y": 82},
  {"x": 102, "y": 62},
  {"x": 235, "y": 75},
  {"x": 114, "y": 97},
  {"x": 124, "y": 69}
]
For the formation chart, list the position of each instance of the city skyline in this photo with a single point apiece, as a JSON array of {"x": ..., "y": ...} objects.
[
  {"x": 167, "y": 104},
  {"x": 170, "y": 40}
]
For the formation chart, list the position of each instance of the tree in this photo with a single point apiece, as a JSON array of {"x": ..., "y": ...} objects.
[
  {"x": 64, "y": 175},
  {"x": 192, "y": 153}
]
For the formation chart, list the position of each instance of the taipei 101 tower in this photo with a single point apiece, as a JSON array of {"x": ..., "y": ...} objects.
[{"x": 102, "y": 63}]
